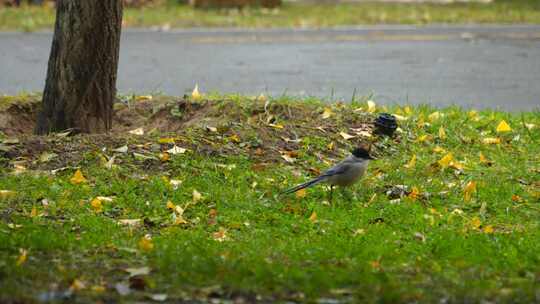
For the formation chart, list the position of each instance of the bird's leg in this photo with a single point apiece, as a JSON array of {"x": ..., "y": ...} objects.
[{"x": 346, "y": 194}]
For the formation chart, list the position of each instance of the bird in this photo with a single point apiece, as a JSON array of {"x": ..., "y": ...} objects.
[{"x": 344, "y": 173}]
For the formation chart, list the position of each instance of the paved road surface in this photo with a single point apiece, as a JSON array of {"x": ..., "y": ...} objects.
[{"x": 492, "y": 66}]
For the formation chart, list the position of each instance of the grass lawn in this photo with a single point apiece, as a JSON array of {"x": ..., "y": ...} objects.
[
  {"x": 297, "y": 15},
  {"x": 448, "y": 212}
]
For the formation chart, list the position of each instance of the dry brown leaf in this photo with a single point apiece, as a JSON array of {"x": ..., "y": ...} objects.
[
  {"x": 414, "y": 193},
  {"x": 220, "y": 235}
]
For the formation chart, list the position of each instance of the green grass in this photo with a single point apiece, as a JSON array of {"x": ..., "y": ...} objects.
[
  {"x": 297, "y": 15},
  {"x": 363, "y": 246}
]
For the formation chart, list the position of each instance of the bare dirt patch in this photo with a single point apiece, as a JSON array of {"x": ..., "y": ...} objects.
[{"x": 266, "y": 131}]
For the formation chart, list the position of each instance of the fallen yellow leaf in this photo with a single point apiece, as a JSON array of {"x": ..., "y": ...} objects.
[
  {"x": 423, "y": 138},
  {"x": 484, "y": 160},
  {"x": 166, "y": 140},
  {"x": 488, "y": 229},
  {"x": 97, "y": 205},
  {"x": 438, "y": 149},
  {"x": 327, "y": 113},
  {"x": 288, "y": 158},
  {"x": 456, "y": 165},
  {"x": 7, "y": 193},
  {"x": 474, "y": 115},
  {"x": 491, "y": 140},
  {"x": 434, "y": 116},
  {"x": 234, "y": 138},
  {"x": 407, "y": 110},
  {"x": 442, "y": 133},
  {"x": 503, "y": 127},
  {"x": 179, "y": 219},
  {"x": 197, "y": 196},
  {"x": 276, "y": 126},
  {"x": 78, "y": 178},
  {"x": 138, "y": 131},
  {"x": 411, "y": 163},
  {"x": 98, "y": 289},
  {"x": 346, "y": 136},
  {"x": 143, "y": 97},
  {"x": 23, "y": 254},
  {"x": 301, "y": 193},
  {"x": 399, "y": 117},
  {"x": 195, "y": 93},
  {"x": 414, "y": 193},
  {"x": 164, "y": 156},
  {"x": 175, "y": 183},
  {"x": 170, "y": 205},
  {"x": 468, "y": 190},
  {"x": 475, "y": 222},
  {"x": 372, "y": 107},
  {"x": 77, "y": 285},
  {"x": 146, "y": 244},
  {"x": 261, "y": 97},
  {"x": 420, "y": 123},
  {"x": 446, "y": 160},
  {"x": 313, "y": 217},
  {"x": 33, "y": 212}
]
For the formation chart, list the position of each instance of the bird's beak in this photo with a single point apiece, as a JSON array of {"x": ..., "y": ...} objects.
[{"x": 371, "y": 157}]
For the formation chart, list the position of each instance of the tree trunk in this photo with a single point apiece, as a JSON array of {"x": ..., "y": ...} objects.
[{"x": 81, "y": 77}]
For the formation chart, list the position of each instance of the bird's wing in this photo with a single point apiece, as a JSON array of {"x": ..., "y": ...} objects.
[{"x": 340, "y": 168}]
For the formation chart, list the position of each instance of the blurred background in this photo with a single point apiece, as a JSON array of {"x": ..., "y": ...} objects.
[{"x": 481, "y": 53}]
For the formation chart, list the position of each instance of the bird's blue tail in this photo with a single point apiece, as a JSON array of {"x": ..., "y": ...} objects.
[{"x": 304, "y": 185}]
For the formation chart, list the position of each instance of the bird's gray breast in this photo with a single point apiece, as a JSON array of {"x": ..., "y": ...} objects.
[{"x": 352, "y": 173}]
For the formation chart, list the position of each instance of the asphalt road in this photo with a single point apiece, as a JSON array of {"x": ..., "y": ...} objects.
[{"x": 486, "y": 66}]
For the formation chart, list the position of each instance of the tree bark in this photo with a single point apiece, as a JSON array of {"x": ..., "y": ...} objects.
[{"x": 81, "y": 76}]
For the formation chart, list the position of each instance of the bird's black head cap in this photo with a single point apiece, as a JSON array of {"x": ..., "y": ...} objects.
[{"x": 361, "y": 153}]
